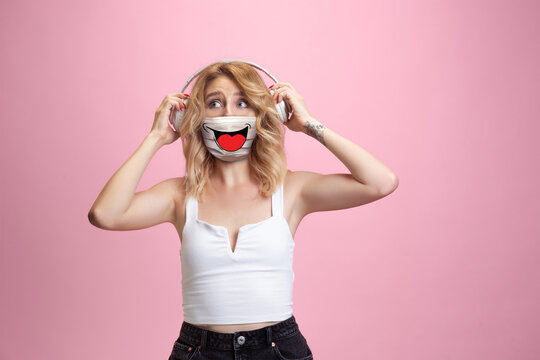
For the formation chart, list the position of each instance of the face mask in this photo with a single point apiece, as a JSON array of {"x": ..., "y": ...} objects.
[{"x": 229, "y": 138}]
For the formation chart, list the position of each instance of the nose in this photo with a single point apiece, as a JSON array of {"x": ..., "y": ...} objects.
[{"x": 229, "y": 108}]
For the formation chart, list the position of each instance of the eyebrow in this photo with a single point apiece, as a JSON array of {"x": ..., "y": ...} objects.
[{"x": 217, "y": 92}]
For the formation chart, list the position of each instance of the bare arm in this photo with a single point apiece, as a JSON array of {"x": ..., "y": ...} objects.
[
  {"x": 118, "y": 207},
  {"x": 369, "y": 178},
  {"x": 368, "y": 181},
  {"x": 365, "y": 168},
  {"x": 115, "y": 198}
]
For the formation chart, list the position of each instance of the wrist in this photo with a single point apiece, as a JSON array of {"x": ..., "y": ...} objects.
[
  {"x": 313, "y": 121},
  {"x": 315, "y": 129},
  {"x": 154, "y": 139}
]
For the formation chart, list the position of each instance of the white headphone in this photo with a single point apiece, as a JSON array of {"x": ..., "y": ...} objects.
[{"x": 283, "y": 108}]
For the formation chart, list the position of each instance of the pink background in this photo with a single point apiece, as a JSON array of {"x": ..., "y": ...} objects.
[{"x": 445, "y": 93}]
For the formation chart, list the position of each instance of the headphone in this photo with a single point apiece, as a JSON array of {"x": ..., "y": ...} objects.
[{"x": 283, "y": 108}]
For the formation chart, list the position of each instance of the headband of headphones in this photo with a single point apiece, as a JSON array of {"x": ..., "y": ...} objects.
[
  {"x": 227, "y": 61},
  {"x": 283, "y": 108}
]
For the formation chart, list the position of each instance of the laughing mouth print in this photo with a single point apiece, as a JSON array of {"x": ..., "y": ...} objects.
[{"x": 230, "y": 141}]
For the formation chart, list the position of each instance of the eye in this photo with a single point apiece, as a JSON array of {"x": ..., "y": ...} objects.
[
  {"x": 240, "y": 102},
  {"x": 211, "y": 102}
]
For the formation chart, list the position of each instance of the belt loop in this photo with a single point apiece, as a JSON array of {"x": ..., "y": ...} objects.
[
  {"x": 203, "y": 338},
  {"x": 269, "y": 335}
]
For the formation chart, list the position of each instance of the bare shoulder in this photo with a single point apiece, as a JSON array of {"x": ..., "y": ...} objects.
[
  {"x": 177, "y": 189},
  {"x": 176, "y": 185},
  {"x": 295, "y": 180}
]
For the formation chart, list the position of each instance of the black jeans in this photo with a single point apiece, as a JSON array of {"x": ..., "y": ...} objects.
[{"x": 281, "y": 341}]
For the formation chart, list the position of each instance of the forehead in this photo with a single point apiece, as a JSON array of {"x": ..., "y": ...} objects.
[{"x": 223, "y": 84}]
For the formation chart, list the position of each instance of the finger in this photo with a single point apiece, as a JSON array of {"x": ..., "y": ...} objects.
[
  {"x": 177, "y": 104},
  {"x": 285, "y": 95},
  {"x": 181, "y": 104},
  {"x": 180, "y": 95},
  {"x": 276, "y": 92},
  {"x": 289, "y": 86},
  {"x": 284, "y": 84},
  {"x": 279, "y": 85},
  {"x": 276, "y": 95},
  {"x": 174, "y": 106},
  {"x": 281, "y": 94}
]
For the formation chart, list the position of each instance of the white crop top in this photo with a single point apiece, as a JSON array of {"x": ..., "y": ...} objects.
[{"x": 252, "y": 284}]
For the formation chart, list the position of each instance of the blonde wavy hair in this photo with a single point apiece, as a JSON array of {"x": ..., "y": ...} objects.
[{"x": 267, "y": 160}]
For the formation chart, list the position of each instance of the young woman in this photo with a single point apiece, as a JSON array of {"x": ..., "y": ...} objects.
[{"x": 237, "y": 209}]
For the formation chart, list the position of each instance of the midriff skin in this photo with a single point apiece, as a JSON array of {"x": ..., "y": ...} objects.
[{"x": 232, "y": 328}]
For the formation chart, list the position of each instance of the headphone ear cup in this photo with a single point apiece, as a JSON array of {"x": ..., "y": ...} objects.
[
  {"x": 281, "y": 111},
  {"x": 282, "y": 108},
  {"x": 177, "y": 116}
]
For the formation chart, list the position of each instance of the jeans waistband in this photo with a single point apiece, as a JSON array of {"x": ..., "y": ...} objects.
[{"x": 259, "y": 338}]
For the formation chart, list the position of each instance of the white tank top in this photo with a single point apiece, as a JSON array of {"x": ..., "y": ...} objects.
[{"x": 252, "y": 284}]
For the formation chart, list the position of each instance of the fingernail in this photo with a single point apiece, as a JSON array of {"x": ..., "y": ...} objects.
[
  {"x": 186, "y": 94},
  {"x": 271, "y": 86}
]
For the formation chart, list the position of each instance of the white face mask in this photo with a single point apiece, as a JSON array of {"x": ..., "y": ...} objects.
[{"x": 229, "y": 138}]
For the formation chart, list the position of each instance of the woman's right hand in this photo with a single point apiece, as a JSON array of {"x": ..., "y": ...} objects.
[{"x": 161, "y": 125}]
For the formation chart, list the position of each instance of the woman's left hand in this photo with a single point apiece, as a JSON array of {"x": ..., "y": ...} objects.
[{"x": 300, "y": 114}]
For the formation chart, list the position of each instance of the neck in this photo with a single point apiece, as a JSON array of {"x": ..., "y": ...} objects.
[{"x": 230, "y": 175}]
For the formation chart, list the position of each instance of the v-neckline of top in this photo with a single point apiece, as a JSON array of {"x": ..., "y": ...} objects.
[{"x": 226, "y": 231}]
